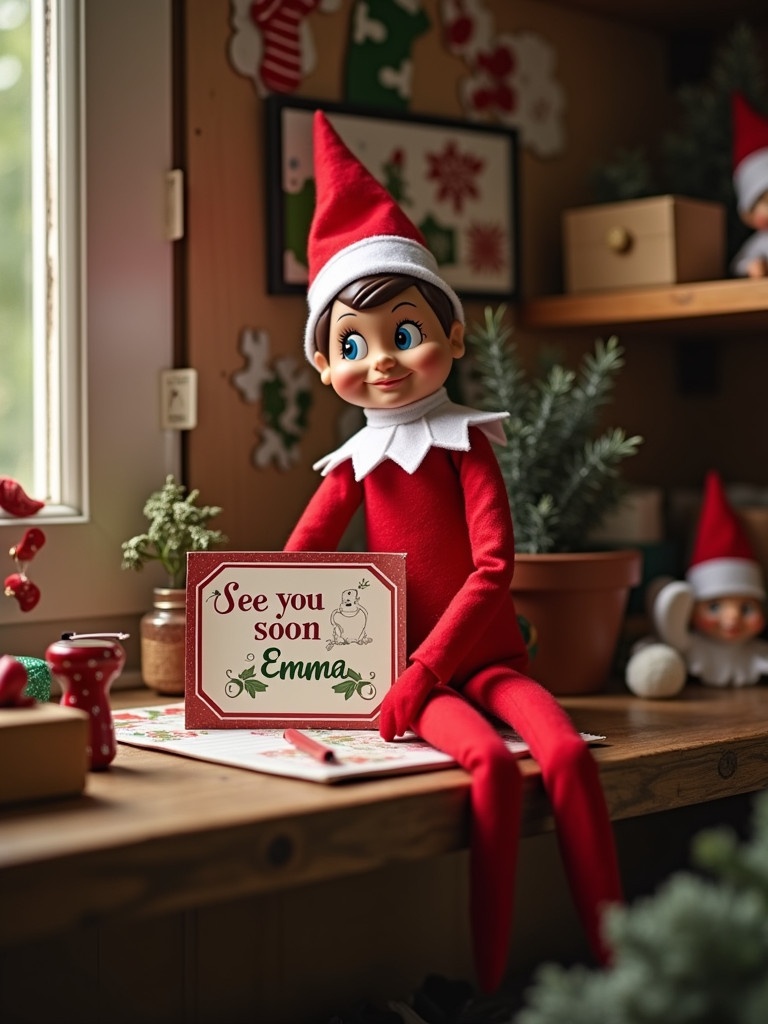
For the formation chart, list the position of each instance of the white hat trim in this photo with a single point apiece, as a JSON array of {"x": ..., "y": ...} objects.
[
  {"x": 379, "y": 254},
  {"x": 750, "y": 179},
  {"x": 721, "y": 577}
]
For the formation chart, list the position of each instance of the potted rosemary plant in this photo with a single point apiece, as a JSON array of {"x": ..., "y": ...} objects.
[
  {"x": 562, "y": 478},
  {"x": 177, "y": 525}
]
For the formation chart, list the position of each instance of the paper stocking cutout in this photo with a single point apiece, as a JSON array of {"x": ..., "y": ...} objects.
[{"x": 280, "y": 23}]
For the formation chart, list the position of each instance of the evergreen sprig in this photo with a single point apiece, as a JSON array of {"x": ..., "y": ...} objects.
[
  {"x": 561, "y": 479},
  {"x": 693, "y": 953},
  {"x": 176, "y": 526}
]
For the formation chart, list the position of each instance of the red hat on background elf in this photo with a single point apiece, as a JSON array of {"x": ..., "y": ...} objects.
[
  {"x": 750, "y": 153},
  {"x": 723, "y": 562},
  {"x": 357, "y": 230}
]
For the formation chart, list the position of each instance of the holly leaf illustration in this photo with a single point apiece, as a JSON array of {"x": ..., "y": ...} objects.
[
  {"x": 253, "y": 686},
  {"x": 347, "y": 687}
]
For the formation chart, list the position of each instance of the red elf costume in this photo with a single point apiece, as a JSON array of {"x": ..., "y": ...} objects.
[{"x": 426, "y": 474}]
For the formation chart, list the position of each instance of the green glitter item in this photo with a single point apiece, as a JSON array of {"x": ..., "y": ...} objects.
[{"x": 38, "y": 677}]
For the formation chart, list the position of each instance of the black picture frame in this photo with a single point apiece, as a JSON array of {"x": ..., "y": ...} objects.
[{"x": 458, "y": 181}]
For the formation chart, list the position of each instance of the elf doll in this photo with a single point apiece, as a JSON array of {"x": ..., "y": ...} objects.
[
  {"x": 709, "y": 623},
  {"x": 750, "y": 181},
  {"x": 383, "y": 331}
]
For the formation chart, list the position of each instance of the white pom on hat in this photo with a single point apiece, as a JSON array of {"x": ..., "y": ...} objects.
[
  {"x": 723, "y": 562},
  {"x": 357, "y": 230},
  {"x": 750, "y": 153}
]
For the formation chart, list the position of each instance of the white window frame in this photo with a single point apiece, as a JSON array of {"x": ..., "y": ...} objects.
[{"x": 121, "y": 311}]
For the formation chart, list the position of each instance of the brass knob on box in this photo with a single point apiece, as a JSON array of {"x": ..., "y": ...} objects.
[{"x": 619, "y": 239}]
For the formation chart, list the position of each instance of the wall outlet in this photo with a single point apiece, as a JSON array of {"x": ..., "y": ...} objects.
[{"x": 178, "y": 399}]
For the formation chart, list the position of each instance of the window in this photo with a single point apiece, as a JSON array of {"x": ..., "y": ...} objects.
[{"x": 91, "y": 443}]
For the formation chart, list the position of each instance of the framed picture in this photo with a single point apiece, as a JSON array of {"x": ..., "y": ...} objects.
[{"x": 455, "y": 180}]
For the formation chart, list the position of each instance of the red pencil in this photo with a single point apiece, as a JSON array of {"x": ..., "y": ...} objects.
[{"x": 308, "y": 745}]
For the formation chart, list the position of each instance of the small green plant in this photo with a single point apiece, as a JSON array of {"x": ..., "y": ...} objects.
[
  {"x": 176, "y": 526},
  {"x": 693, "y": 953},
  {"x": 561, "y": 480}
]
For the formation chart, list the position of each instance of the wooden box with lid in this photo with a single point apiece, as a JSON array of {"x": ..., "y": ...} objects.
[{"x": 655, "y": 241}]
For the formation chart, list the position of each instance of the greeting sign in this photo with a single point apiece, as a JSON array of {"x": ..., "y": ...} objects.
[{"x": 276, "y": 639}]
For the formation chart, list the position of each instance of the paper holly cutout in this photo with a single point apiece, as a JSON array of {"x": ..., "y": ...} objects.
[
  {"x": 283, "y": 387},
  {"x": 511, "y": 77}
]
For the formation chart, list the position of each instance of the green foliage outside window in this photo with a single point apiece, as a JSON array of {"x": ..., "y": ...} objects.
[{"x": 16, "y": 423}]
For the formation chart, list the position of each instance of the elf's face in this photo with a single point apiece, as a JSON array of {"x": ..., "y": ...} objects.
[
  {"x": 390, "y": 355},
  {"x": 730, "y": 619}
]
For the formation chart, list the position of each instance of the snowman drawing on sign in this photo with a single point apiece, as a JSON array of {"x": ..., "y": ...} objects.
[{"x": 349, "y": 620}]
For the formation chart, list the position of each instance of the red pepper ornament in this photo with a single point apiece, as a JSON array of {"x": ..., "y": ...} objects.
[
  {"x": 24, "y": 590},
  {"x": 15, "y": 500},
  {"x": 29, "y": 545}
]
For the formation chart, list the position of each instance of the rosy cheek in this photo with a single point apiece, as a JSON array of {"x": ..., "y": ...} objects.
[
  {"x": 704, "y": 622},
  {"x": 427, "y": 358}
]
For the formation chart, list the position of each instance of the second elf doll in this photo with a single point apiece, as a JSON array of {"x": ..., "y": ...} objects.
[{"x": 383, "y": 331}]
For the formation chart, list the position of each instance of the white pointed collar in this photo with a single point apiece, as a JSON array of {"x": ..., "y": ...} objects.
[{"x": 405, "y": 435}]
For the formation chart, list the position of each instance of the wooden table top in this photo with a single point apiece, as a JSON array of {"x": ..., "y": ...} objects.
[{"x": 158, "y": 832}]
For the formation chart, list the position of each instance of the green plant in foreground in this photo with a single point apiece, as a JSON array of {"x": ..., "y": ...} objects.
[
  {"x": 561, "y": 480},
  {"x": 176, "y": 526},
  {"x": 694, "y": 953}
]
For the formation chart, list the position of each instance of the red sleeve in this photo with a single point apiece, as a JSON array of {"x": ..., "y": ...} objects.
[
  {"x": 327, "y": 515},
  {"x": 486, "y": 588}
]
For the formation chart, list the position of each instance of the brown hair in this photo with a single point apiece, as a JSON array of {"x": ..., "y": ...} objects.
[{"x": 369, "y": 292}]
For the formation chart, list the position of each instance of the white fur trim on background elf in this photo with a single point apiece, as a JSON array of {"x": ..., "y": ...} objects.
[{"x": 723, "y": 577}]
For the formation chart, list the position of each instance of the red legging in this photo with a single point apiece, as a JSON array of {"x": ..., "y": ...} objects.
[{"x": 448, "y": 721}]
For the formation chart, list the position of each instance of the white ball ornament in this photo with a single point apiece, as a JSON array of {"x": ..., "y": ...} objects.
[{"x": 655, "y": 671}]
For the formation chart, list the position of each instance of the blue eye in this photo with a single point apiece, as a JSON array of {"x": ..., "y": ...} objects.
[
  {"x": 408, "y": 335},
  {"x": 353, "y": 346}
]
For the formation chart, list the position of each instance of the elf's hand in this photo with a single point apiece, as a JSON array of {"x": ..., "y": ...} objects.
[{"x": 405, "y": 699}]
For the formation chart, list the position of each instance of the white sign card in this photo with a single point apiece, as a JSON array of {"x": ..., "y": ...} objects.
[{"x": 278, "y": 639}]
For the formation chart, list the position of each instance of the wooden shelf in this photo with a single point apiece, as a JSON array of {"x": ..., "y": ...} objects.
[{"x": 738, "y": 304}]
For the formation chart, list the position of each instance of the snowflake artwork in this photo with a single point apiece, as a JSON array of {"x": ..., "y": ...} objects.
[
  {"x": 511, "y": 77},
  {"x": 271, "y": 41},
  {"x": 283, "y": 388},
  {"x": 455, "y": 173},
  {"x": 485, "y": 243}
]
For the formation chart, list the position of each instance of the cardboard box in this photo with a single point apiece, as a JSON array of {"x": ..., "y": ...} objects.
[
  {"x": 43, "y": 752},
  {"x": 645, "y": 242}
]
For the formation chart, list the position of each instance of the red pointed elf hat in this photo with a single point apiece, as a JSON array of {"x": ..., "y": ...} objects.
[
  {"x": 723, "y": 562},
  {"x": 357, "y": 230},
  {"x": 750, "y": 153}
]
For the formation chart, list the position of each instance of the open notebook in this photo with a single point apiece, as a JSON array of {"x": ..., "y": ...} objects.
[{"x": 359, "y": 753}]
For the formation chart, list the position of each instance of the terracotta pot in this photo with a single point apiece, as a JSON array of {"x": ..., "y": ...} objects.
[
  {"x": 576, "y": 604},
  {"x": 162, "y": 641}
]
